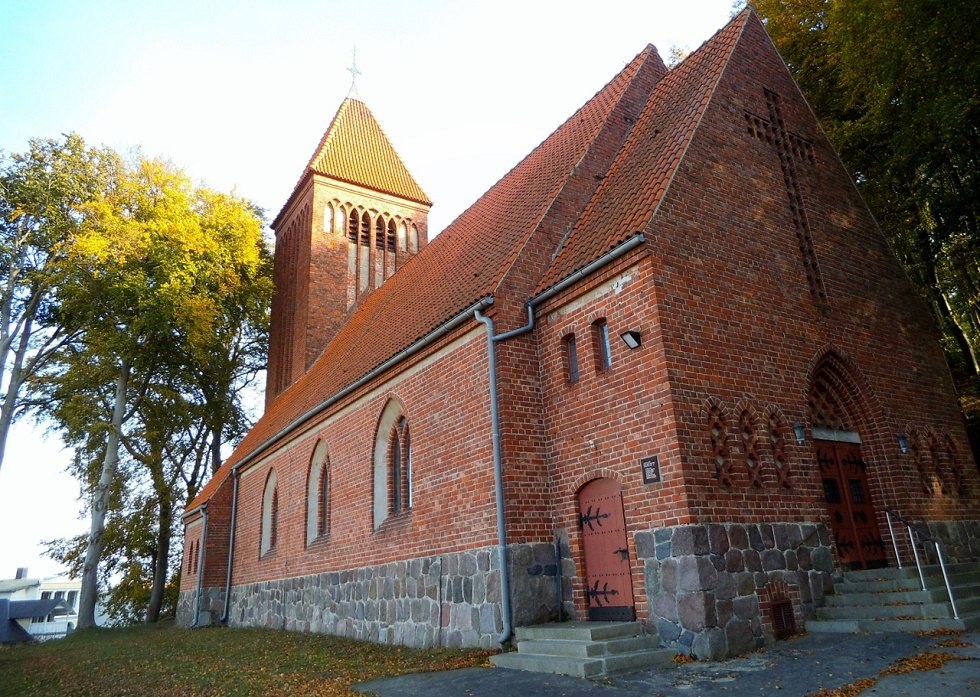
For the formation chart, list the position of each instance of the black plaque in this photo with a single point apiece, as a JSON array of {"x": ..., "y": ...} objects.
[{"x": 651, "y": 469}]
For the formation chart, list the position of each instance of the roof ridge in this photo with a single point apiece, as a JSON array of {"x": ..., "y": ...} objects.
[{"x": 599, "y": 229}]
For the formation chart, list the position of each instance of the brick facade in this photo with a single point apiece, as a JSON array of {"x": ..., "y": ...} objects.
[{"x": 764, "y": 297}]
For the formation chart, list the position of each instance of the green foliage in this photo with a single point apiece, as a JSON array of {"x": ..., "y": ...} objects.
[
  {"x": 163, "y": 660},
  {"x": 171, "y": 284}
]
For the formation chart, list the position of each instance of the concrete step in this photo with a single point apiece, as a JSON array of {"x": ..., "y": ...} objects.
[
  {"x": 589, "y": 649},
  {"x": 584, "y": 667},
  {"x": 855, "y": 626},
  {"x": 579, "y": 631},
  {"x": 584, "y": 649},
  {"x": 883, "y": 612},
  {"x": 910, "y": 571}
]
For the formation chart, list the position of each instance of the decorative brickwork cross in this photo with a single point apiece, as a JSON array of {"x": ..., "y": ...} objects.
[{"x": 791, "y": 149}]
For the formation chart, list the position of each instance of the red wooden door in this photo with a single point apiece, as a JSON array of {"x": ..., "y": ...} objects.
[
  {"x": 852, "y": 515},
  {"x": 607, "y": 560}
]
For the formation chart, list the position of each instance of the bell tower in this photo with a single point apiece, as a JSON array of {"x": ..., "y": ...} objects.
[{"x": 355, "y": 216}]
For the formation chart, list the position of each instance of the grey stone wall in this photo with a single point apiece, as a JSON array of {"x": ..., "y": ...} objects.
[
  {"x": 448, "y": 600},
  {"x": 212, "y": 606},
  {"x": 960, "y": 538},
  {"x": 703, "y": 581}
]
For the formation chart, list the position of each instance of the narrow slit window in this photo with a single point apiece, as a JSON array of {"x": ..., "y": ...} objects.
[
  {"x": 600, "y": 339},
  {"x": 571, "y": 358}
]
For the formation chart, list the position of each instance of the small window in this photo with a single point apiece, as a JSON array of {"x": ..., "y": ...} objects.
[
  {"x": 400, "y": 468},
  {"x": 600, "y": 340},
  {"x": 571, "y": 358},
  {"x": 393, "y": 465},
  {"x": 270, "y": 515}
]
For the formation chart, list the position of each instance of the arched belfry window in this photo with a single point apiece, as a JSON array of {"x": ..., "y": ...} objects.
[
  {"x": 328, "y": 218},
  {"x": 352, "y": 223},
  {"x": 379, "y": 233},
  {"x": 413, "y": 239},
  {"x": 402, "y": 234},
  {"x": 393, "y": 476},
  {"x": 318, "y": 494},
  {"x": 365, "y": 230},
  {"x": 270, "y": 514},
  {"x": 390, "y": 242}
]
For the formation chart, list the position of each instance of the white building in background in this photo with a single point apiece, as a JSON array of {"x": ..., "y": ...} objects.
[{"x": 62, "y": 620}]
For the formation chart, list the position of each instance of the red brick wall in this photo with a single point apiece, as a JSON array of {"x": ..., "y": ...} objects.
[{"x": 448, "y": 412}]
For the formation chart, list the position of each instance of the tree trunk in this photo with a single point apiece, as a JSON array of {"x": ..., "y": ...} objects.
[
  {"x": 100, "y": 505},
  {"x": 14, "y": 383},
  {"x": 162, "y": 556}
]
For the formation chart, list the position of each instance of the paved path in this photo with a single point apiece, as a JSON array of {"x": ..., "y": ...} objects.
[{"x": 794, "y": 668}]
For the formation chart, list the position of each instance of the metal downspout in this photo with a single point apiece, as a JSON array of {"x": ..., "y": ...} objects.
[
  {"x": 200, "y": 566},
  {"x": 620, "y": 250},
  {"x": 231, "y": 546},
  {"x": 498, "y": 481}
]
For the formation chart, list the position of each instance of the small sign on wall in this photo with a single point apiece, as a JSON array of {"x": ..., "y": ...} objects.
[{"x": 651, "y": 469}]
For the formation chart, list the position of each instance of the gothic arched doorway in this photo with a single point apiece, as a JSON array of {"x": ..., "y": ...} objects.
[
  {"x": 607, "y": 559},
  {"x": 834, "y": 407}
]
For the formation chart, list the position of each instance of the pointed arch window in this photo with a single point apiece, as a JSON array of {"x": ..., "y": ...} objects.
[
  {"x": 270, "y": 514},
  {"x": 379, "y": 233},
  {"x": 413, "y": 239},
  {"x": 393, "y": 466},
  {"x": 318, "y": 494},
  {"x": 402, "y": 234},
  {"x": 328, "y": 218},
  {"x": 365, "y": 230}
]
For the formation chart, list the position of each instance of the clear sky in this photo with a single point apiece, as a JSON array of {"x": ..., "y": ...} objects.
[{"x": 238, "y": 93}]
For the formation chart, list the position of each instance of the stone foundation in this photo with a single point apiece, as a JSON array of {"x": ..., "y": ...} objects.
[
  {"x": 212, "y": 607},
  {"x": 707, "y": 585},
  {"x": 448, "y": 600},
  {"x": 960, "y": 538}
]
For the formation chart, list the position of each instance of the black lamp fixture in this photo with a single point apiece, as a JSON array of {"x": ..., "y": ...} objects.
[
  {"x": 799, "y": 430},
  {"x": 631, "y": 338},
  {"x": 903, "y": 443}
]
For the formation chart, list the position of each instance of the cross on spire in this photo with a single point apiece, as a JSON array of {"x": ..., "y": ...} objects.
[{"x": 354, "y": 72}]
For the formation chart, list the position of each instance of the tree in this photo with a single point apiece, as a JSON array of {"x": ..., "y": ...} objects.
[
  {"x": 166, "y": 281},
  {"x": 43, "y": 193}
]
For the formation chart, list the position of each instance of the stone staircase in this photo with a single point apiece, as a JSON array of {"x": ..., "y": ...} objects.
[
  {"x": 892, "y": 600},
  {"x": 584, "y": 649}
]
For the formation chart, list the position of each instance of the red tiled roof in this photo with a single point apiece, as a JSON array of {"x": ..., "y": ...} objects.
[
  {"x": 626, "y": 201},
  {"x": 461, "y": 265},
  {"x": 354, "y": 149}
]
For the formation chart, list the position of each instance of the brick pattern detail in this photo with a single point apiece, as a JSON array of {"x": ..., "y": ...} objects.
[
  {"x": 718, "y": 434},
  {"x": 791, "y": 149},
  {"x": 777, "y": 442},
  {"x": 750, "y": 450}
]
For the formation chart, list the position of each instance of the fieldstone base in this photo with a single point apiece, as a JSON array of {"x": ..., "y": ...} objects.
[
  {"x": 707, "y": 584},
  {"x": 212, "y": 606},
  {"x": 960, "y": 538},
  {"x": 448, "y": 600}
]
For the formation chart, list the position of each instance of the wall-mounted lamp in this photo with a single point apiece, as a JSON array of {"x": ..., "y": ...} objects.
[
  {"x": 631, "y": 338},
  {"x": 799, "y": 430},
  {"x": 903, "y": 443}
]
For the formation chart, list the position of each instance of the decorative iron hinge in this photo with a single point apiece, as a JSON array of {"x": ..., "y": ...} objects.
[
  {"x": 598, "y": 595},
  {"x": 587, "y": 518}
]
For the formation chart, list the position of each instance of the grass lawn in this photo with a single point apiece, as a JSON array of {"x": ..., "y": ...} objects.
[{"x": 167, "y": 660}]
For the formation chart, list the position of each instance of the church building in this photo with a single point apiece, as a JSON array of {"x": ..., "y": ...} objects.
[{"x": 665, "y": 370}]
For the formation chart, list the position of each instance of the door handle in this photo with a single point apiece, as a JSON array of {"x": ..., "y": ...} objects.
[{"x": 623, "y": 553}]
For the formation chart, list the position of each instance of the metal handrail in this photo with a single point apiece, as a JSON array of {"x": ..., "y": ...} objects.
[{"x": 914, "y": 533}]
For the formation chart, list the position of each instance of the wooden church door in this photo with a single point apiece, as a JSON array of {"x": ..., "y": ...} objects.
[
  {"x": 607, "y": 559},
  {"x": 852, "y": 515}
]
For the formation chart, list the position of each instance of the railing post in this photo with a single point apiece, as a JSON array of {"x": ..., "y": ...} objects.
[
  {"x": 891, "y": 531},
  {"x": 915, "y": 551},
  {"x": 949, "y": 588}
]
